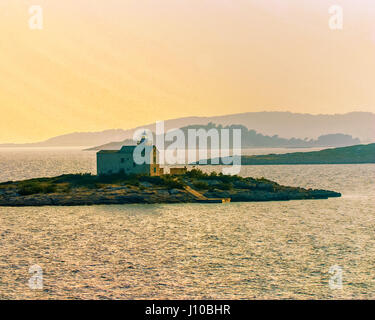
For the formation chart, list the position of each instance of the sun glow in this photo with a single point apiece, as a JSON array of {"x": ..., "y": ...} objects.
[{"x": 96, "y": 66}]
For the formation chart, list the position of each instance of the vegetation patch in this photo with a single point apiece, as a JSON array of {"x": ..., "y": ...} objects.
[
  {"x": 201, "y": 185},
  {"x": 35, "y": 188},
  {"x": 88, "y": 189}
]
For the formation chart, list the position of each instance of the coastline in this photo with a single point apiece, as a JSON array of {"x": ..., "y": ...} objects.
[
  {"x": 87, "y": 189},
  {"x": 357, "y": 154}
]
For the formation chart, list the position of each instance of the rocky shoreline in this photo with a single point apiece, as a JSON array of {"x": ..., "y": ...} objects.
[
  {"x": 78, "y": 190},
  {"x": 109, "y": 195}
]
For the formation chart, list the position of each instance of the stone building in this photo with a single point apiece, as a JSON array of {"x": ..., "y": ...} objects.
[{"x": 122, "y": 161}]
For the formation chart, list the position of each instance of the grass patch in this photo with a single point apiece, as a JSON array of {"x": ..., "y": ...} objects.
[
  {"x": 224, "y": 186},
  {"x": 36, "y": 188},
  {"x": 201, "y": 181},
  {"x": 201, "y": 185}
]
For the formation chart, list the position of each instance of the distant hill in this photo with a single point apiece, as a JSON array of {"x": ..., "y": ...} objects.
[
  {"x": 252, "y": 139},
  {"x": 284, "y": 124},
  {"x": 76, "y": 139},
  {"x": 297, "y": 125},
  {"x": 346, "y": 155}
]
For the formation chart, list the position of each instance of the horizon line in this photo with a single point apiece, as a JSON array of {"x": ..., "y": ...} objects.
[{"x": 187, "y": 117}]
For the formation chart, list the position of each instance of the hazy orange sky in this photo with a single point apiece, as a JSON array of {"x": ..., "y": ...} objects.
[{"x": 99, "y": 65}]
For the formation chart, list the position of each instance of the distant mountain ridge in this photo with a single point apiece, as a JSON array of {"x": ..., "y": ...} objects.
[
  {"x": 297, "y": 125},
  {"x": 284, "y": 124},
  {"x": 75, "y": 139},
  {"x": 249, "y": 139}
]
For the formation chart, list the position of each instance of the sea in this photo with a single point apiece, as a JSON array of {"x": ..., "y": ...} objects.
[{"x": 311, "y": 249}]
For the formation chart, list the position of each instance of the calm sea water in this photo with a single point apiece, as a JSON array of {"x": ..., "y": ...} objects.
[{"x": 232, "y": 251}]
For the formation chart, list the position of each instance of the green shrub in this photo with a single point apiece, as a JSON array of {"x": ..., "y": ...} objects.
[
  {"x": 35, "y": 188},
  {"x": 78, "y": 180},
  {"x": 196, "y": 174},
  {"x": 201, "y": 185},
  {"x": 49, "y": 189},
  {"x": 66, "y": 188},
  {"x": 227, "y": 179},
  {"x": 224, "y": 186},
  {"x": 171, "y": 182},
  {"x": 157, "y": 180},
  {"x": 6, "y": 183},
  {"x": 28, "y": 190}
]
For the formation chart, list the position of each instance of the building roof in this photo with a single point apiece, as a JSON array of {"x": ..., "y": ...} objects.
[
  {"x": 107, "y": 151},
  {"x": 126, "y": 149}
]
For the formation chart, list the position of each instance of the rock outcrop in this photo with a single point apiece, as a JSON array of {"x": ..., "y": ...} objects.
[{"x": 77, "y": 190}]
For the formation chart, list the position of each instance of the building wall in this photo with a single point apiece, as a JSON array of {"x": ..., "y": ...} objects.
[
  {"x": 116, "y": 162},
  {"x": 111, "y": 163},
  {"x": 155, "y": 170}
]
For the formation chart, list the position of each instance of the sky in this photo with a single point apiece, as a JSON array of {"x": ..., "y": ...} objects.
[{"x": 98, "y": 65}]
